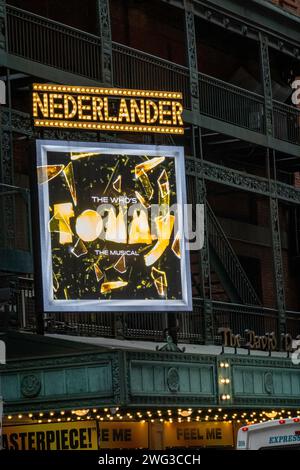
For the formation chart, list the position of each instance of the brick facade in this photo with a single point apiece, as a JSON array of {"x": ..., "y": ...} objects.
[{"x": 290, "y": 5}]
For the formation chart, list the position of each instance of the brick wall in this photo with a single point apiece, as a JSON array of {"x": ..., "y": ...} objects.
[
  {"x": 290, "y": 5},
  {"x": 151, "y": 27},
  {"x": 264, "y": 254},
  {"x": 239, "y": 208}
]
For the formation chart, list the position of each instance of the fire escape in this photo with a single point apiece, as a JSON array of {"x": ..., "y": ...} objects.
[{"x": 36, "y": 46}]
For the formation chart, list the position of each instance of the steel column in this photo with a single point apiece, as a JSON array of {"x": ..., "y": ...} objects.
[
  {"x": 104, "y": 29},
  {"x": 267, "y": 83},
  {"x": 3, "y": 28},
  {"x": 7, "y": 206},
  {"x": 204, "y": 260},
  {"x": 192, "y": 54},
  {"x": 276, "y": 243}
]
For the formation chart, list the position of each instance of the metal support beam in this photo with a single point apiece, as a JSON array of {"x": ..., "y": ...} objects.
[
  {"x": 192, "y": 54},
  {"x": 3, "y": 27},
  {"x": 7, "y": 226},
  {"x": 204, "y": 261},
  {"x": 267, "y": 83},
  {"x": 243, "y": 181},
  {"x": 276, "y": 244},
  {"x": 105, "y": 35},
  {"x": 7, "y": 203}
]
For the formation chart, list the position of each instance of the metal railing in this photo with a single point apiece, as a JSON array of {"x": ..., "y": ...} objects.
[
  {"x": 293, "y": 323},
  {"x": 51, "y": 43},
  {"x": 148, "y": 326},
  {"x": 223, "y": 249},
  {"x": 286, "y": 122},
  {"x": 226, "y": 102},
  {"x": 25, "y": 306},
  {"x": 81, "y": 324},
  {"x": 136, "y": 69},
  {"x": 242, "y": 317},
  {"x": 48, "y": 42},
  {"x": 15, "y": 206}
]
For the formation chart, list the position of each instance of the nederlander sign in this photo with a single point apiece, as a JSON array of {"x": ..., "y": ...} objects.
[{"x": 109, "y": 109}]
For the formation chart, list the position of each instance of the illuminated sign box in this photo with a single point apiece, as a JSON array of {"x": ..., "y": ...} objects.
[
  {"x": 55, "y": 436},
  {"x": 108, "y": 109},
  {"x": 198, "y": 434},
  {"x": 112, "y": 227}
]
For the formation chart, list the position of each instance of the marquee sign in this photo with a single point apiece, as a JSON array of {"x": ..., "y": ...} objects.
[
  {"x": 108, "y": 109},
  {"x": 250, "y": 340},
  {"x": 198, "y": 434},
  {"x": 111, "y": 227},
  {"x": 55, "y": 436}
]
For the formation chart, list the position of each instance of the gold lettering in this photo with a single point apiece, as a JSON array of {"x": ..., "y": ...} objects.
[
  {"x": 69, "y": 99},
  {"x": 128, "y": 110},
  {"x": 115, "y": 227},
  {"x": 136, "y": 111},
  {"x": 139, "y": 229},
  {"x": 54, "y": 106},
  {"x": 107, "y": 117},
  {"x": 123, "y": 111},
  {"x": 89, "y": 225},
  {"x": 226, "y": 335},
  {"x": 97, "y": 104},
  {"x": 177, "y": 110},
  {"x": 150, "y": 105},
  {"x": 39, "y": 105},
  {"x": 60, "y": 222},
  {"x": 84, "y": 107},
  {"x": 163, "y": 111}
]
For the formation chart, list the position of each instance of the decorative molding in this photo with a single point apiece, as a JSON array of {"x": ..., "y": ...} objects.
[
  {"x": 190, "y": 167},
  {"x": 278, "y": 266},
  {"x": 235, "y": 178},
  {"x": 170, "y": 358},
  {"x": 30, "y": 385},
  {"x": 245, "y": 181},
  {"x": 58, "y": 134},
  {"x": 220, "y": 18},
  {"x": 267, "y": 83},
  {"x": 7, "y": 203},
  {"x": 116, "y": 379},
  {"x": 170, "y": 346},
  {"x": 244, "y": 27},
  {"x": 287, "y": 192},
  {"x": 268, "y": 382},
  {"x": 16, "y": 121},
  {"x": 178, "y": 400},
  {"x": 192, "y": 55},
  {"x": 3, "y": 25},
  {"x": 106, "y": 44},
  {"x": 256, "y": 361},
  {"x": 61, "y": 361},
  {"x": 173, "y": 380}
]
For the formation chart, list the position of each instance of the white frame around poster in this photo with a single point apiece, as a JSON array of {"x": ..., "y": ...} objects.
[{"x": 53, "y": 305}]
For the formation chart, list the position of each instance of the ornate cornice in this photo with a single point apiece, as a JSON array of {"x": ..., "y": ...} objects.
[
  {"x": 245, "y": 181},
  {"x": 169, "y": 358},
  {"x": 231, "y": 15},
  {"x": 61, "y": 361}
]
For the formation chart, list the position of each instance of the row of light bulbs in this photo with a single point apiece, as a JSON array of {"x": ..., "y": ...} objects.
[
  {"x": 163, "y": 415},
  {"x": 108, "y": 91},
  {"x": 103, "y": 126}
]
